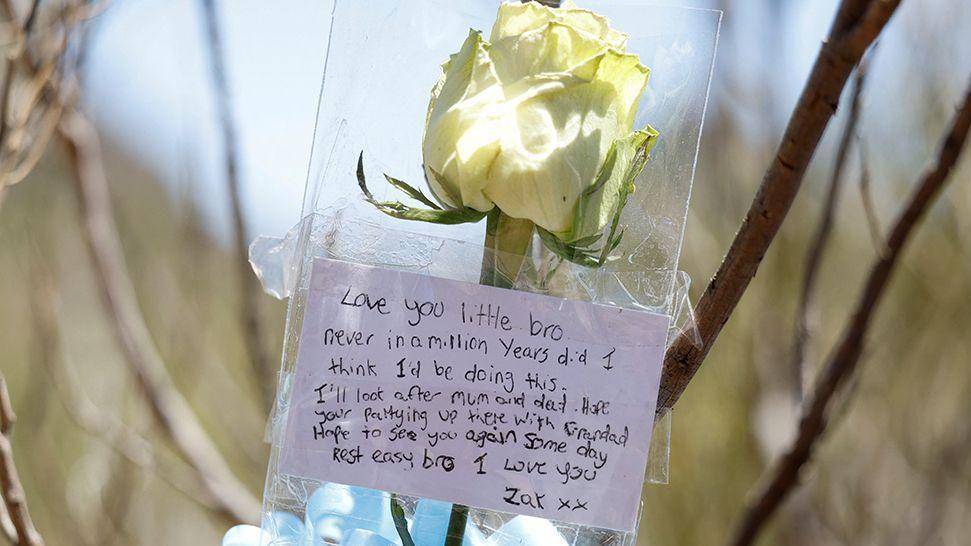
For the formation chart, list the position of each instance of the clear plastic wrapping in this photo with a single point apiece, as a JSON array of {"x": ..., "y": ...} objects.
[{"x": 382, "y": 59}]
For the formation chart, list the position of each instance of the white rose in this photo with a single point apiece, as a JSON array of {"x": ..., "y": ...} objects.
[{"x": 538, "y": 121}]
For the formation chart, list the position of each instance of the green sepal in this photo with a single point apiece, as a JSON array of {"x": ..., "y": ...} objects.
[
  {"x": 397, "y": 209},
  {"x": 636, "y": 167},
  {"x": 587, "y": 242},
  {"x": 625, "y": 161},
  {"x": 599, "y": 205},
  {"x": 412, "y": 192},
  {"x": 568, "y": 251},
  {"x": 580, "y": 252}
]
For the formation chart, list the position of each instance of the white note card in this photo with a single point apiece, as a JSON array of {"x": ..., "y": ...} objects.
[{"x": 481, "y": 396}]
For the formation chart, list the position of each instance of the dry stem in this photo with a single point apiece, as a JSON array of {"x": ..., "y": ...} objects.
[{"x": 12, "y": 491}]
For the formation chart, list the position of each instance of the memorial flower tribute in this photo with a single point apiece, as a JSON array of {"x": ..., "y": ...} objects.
[
  {"x": 446, "y": 382},
  {"x": 533, "y": 131}
]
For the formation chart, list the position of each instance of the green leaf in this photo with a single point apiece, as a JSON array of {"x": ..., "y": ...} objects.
[
  {"x": 451, "y": 217},
  {"x": 587, "y": 242},
  {"x": 609, "y": 195},
  {"x": 412, "y": 192},
  {"x": 361, "y": 181},
  {"x": 400, "y": 523},
  {"x": 399, "y": 210},
  {"x": 567, "y": 251},
  {"x": 644, "y": 140}
]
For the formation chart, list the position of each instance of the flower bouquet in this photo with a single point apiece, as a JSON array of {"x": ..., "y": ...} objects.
[{"x": 548, "y": 163}]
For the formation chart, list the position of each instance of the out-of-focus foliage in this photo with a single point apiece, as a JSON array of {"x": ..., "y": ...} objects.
[{"x": 895, "y": 468}]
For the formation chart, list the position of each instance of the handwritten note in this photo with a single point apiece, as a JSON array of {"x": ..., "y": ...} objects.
[{"x": 491, "y": 398}]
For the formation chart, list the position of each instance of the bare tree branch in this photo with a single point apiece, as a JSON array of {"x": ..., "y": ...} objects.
[
  {"x": 85, "y": 414},
  {"x": 170, "y": 409},
  {"x": 10, "y": 71},
  {"x": 814, "y": 256},
  {"x": 14, "y": 499},
  {"x": 24, "y": 152},
  {"x": 784, "y": 476},
  {"x": 249, "y": 287},
  {"x": 6, "y": 525},
  {"x": 857, "y": 24}
]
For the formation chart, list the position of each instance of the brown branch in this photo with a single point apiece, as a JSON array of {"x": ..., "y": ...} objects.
[
  {"x": 169, "y": 408},
  {"x": 249, "y": 287},
  {"x": 857, "y": 25},
  {"x": 14, "y": 499},
  {"x": 784, "y": 476},
  {"x": 814, "y": 255}
]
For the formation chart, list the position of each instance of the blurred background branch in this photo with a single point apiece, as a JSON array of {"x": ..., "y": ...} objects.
[
  {"x": 814, "y": 256},
  {"x": 86, "y": 415},
  {"x": 846, "y": 356},
  {"x": 866, "y": 197},
  {"x": 17, "y": 524},
  {"x": 263, "y": 365},
  {"x": 857, "y": 25},
  {"x": 170, "y": 409},
  {"x": 55, "y": 92}
]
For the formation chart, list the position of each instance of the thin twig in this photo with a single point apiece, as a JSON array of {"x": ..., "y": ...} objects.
[
  {"x": 869, "y": 208},
  {"x": 14, "y": 499},
  {"x": 814, "y": 255},
  {"x": 6, "y": 525},
  {"x": 857, "y": 25},
  {"x": 249, "y": 287},
  {"x": 10, "y": 71},
  {"x": 784, "y": 476},
  {"x": 169, "y": 408},
  {"x": 86, "y": 415}
]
